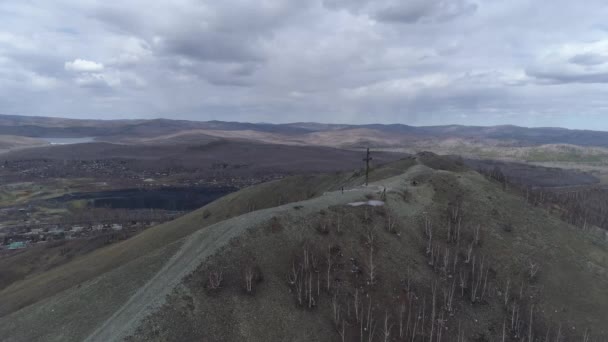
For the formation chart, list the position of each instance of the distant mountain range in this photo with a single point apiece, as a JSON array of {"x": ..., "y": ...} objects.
[{"x": 300, "y": 133}]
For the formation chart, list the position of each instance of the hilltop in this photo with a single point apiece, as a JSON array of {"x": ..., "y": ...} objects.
[{"x": 445, "y": 254}]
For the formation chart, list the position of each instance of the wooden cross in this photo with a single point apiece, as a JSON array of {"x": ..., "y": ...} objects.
[{"x": 367, "y": 160}]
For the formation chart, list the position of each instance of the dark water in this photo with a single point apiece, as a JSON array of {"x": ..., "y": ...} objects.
[{"x": 181, "y": 199}]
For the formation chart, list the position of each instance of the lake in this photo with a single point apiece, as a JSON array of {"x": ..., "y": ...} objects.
[{"x": 180, "y": 199}]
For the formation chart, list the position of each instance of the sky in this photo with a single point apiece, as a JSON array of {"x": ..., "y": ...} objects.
[{"x": 417, "y": 62}]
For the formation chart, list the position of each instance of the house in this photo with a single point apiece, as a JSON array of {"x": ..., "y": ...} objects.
[
  {"x": 35, "y": 231},
  {"x": 76, "y": 229},
  {"x": 56, "y": 230},
  {"x": 117, "y": 226}
]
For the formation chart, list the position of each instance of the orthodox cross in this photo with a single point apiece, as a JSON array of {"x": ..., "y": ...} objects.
[{"x": 367, "y": 160}]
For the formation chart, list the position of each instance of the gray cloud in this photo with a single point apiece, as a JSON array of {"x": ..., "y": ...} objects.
[
  {"x": 565, "y": 76},
  {"x": 408, "y": 12},
  {"x": 417, "y": 62},
  {"x": 415, "y": 11},
  {"x": 589, "y": 59}
]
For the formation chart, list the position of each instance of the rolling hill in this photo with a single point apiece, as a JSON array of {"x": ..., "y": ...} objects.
[{"x": 338, "y": 135}]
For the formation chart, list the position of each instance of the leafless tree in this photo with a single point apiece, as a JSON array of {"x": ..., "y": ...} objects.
[
  {"x": 249, "y": 276},
  {"x": 370, "y": 326},
  {"x": 477, "y": 235},
  {"x": 428, "y": 232},
  {"x": 586, "y": 336},
  {"x": 391, "y": 223},
  {"x": 469, "y": 254},
  {"x": 506, "y": 294},
  {"x": 530, "y": 336},
  {"x": 371, "y": 238},
  {"x": 357, "y": 305},
  {"x": 450, "y": 297},
  {"x": 342, "y": 330},
  {"x": 533, "y": 269},
  {"x": 401, "y": 313},
  {"x": 463, "y": 282},
  {"x": 446, "y": 262},
  {"x": 433, "y": 309},
  {"x": 387, "y": 328},
  {"x": 336, "y": 309},
  {"x": 215, "y": 280},
  {"x": 329, "y": 265},
  {"x": 323, "y": 226}
]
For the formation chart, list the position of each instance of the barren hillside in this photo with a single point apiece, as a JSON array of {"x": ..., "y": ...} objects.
[{"x": 430, "y": 251}]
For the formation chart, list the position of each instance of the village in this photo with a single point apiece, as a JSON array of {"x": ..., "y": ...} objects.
[
  {"x": 24, "y": 236},
  {"x": 34, "y": 212}
]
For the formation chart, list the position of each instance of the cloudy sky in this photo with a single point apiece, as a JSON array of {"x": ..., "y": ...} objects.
[{"x": 420, "y": 62}]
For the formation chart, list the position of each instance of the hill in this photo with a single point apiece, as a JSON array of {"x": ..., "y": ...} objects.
[
  {"x": 446, "y": 255},
  {"x": 378, "y": 135}
]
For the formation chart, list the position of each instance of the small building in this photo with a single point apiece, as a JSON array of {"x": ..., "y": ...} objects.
[
  {"x": 35, "y": 231},
  {"x": 56, "y": 230},
  {"x": 76, "y": 229},
  {"x": 16, "y": 245},
  {"x": 117, "y": 226}
]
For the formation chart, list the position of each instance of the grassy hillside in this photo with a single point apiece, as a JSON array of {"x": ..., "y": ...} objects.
[
  {"x": 449, "y": 257},
  {"x": 526, "y": 271},
  {"x": 83, "y": 268}
]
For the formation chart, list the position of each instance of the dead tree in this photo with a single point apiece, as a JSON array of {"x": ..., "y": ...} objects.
[
  {"x": 506, "y": 294},
  {"x": 387, "y": 328},
  {"x": 469, "y": 254},
  {"x": 249, "y": 276},
  {"x": 371, "y": 323},
  {"x": 329, "y": 264},
  {"x": 477, "y": 237},
  {"x": 391, "y": 222},
  {"x": 357, "y": 305},
  {"x": 371, "y": 267},
  {"x": 428, "y": 232},
  {"x": 533, "y": 269},
  {"x": 215, "y": 279}
]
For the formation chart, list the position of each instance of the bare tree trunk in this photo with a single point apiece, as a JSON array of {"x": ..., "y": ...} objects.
[
  {"x": 387, "y": 328},
  {"x": 434, "y": 290},
  {"x": 530, "y": 325},
  {"x": 329, "y": 264}
]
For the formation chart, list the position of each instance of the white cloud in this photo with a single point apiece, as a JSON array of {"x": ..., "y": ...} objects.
[
  {"x": 83, "y": 65},
  {"x": 585, "y": 62}
]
